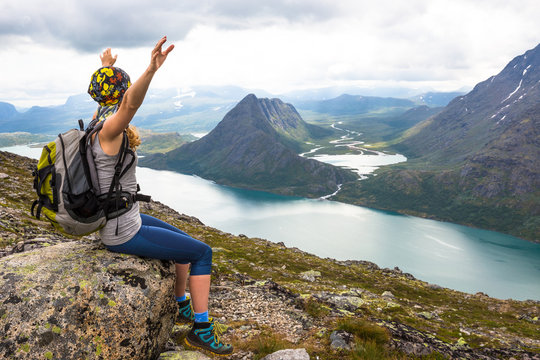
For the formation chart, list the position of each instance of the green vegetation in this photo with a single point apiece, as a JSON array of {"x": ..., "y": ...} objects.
[
  {"x": 380, "y": 126},
  {"x": 266, "y": 343},
  {"x": 153, "y": 142},
  {"x": 315, "y": 308},
  {"x": 23, "y": 138},
  {"x": 371, "y": 339},
  {"x": 468, "y": 183},
  {"x": 443, "y": 195},
  {"x": 488, "y": 322},
  {"x": 249, "y": 149},
  {"x": 260, "y": 259},
  {"x": 449, "y": 316}
]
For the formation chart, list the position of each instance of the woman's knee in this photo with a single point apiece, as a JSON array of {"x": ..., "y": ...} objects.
[
  {"x": 206, "y": 254},
  {"x": 203, "y": 265}
]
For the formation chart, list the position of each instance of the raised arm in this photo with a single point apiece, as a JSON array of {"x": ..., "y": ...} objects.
[{"x": 110, "y": 135}]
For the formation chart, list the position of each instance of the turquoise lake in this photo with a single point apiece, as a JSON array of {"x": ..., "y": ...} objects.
[{"x": 450, "y": 255}]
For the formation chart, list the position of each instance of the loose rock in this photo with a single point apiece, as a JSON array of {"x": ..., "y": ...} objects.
[
  {"x": 310, "y": 275},
  {"x": 289, "y": 354},
  {"x": 388, "y": 294},
  {"x": 341, "y": 340}
]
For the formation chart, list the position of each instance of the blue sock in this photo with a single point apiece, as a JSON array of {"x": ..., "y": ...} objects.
[
  {"x": 181, "y": 298},
  {"x": 201, "y": 317}
]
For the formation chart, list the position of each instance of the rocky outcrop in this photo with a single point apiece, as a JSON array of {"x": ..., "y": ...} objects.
[
  {"x": 289, "y": 354},
  {"x": 78, "y": 300},
  {"x": 413, "y": 342}
]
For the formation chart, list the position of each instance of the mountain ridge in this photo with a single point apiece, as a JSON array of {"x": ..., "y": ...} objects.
[
  {"x": 346, "y": 104},
  {"x": 485, "y": 112},
  {"x": 477, "y": 162},
  {"x": 245, "y": 150}
]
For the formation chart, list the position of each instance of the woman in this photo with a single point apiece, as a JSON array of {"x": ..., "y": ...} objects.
[{"x": 140, "y": 234}]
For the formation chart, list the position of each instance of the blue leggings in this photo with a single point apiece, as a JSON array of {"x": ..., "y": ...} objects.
[{"x": 159, "y": 240}]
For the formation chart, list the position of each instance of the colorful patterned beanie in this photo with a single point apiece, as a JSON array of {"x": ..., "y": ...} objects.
[{"x": 108, "y": 85}]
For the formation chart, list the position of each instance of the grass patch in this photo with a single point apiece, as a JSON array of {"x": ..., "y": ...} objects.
[
  {"x": 365, "y": 331},
  {"x": 315, "y": 309},
  {"x": 266, "y": 343},
  {"x": 369, "y": 350}
]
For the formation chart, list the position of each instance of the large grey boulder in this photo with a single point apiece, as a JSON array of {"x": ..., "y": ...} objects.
[{"x": 77, "y": 300}]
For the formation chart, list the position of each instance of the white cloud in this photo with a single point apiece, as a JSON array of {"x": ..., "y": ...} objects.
[{"x": 276, "y": 46}]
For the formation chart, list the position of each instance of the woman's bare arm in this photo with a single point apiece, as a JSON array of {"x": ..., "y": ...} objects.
[{"x": 110, "y": 136}]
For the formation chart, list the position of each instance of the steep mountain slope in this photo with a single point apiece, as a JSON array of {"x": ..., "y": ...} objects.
[
  {"x": 7, "y": 111},
  {"x": 249, "y": 148},
  {"x": 289, "y": 124},
  {"x": 411, "y": 117},
  {"x": 472, "y": 121},
  {"x": 478, "y": 161}
]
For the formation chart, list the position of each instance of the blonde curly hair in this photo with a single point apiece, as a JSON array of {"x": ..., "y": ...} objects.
[{"x": 133, "y": 137}]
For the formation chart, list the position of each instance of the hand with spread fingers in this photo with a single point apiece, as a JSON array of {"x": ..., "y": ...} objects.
[
  {"x": 158, "y": 55},
  {"x": 107, "y": 59}
]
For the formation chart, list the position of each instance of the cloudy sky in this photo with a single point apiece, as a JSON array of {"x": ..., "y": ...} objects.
[{"x": 50, "y": 48}]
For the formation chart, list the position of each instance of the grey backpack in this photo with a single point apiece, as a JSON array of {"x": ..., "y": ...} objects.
[{"x": 67, "y": 185}]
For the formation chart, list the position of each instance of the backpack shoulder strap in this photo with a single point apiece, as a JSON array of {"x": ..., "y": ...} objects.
[{"x": 115, "y": 183}]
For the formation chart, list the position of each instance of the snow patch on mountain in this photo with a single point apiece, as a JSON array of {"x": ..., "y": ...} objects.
[{"x": 513, "y": 92}]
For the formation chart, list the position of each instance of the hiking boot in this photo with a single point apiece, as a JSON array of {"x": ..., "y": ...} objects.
[
  {"x": 185, "y": 312},
  {"x": 205, "y": 336}
]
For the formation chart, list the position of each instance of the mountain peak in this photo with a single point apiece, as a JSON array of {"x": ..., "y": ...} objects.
[
  {"x": 264, "y": 113},
  {"x": 249, "y": 98},
  {"x": 254, "y": 147},
  {"x": 528, "y": 59},
  {"x": 473, "y": 120}
]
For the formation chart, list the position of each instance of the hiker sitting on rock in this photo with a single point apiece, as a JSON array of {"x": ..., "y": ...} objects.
[{"x": 140, "y": 234}]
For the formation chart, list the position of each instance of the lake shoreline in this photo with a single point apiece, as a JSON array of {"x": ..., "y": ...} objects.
[
  {"x": 363, "y": 233},
  {"x": 433, "y": 217},
  {"x": 312, "y": 291}
]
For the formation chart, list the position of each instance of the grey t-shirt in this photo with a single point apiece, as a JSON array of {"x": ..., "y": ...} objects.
[{"x": 130, "y": 222}]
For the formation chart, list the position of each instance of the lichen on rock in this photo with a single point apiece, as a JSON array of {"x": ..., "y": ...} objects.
[{"x": 78, "y": 300}]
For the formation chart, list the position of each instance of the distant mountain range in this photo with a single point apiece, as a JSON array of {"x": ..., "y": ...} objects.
[
  {"x": 47, "y": 120},
  {"x": 355, "y": 104},
  {"x": 163, "y": 110},
  {"x": 193, "y": 110},
  {"x": 346, "y": 104},
  {"x": 476, "y": 162},
  {"x": 254, "y": 147},
  {"x": 436, "y": 99}
]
